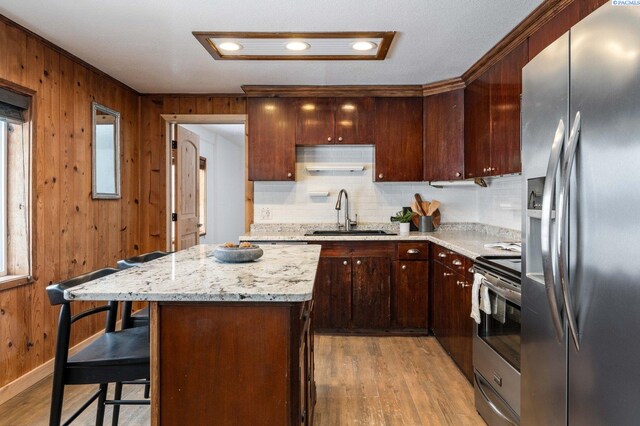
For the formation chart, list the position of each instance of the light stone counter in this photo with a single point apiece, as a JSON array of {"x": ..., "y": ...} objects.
[
  {"x": 466, "y": 239},
  {"x": 283, "y": 274}
]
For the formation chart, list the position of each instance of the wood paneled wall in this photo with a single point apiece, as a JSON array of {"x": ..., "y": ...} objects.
[
  {"x": 153, "y": 165},
  {"x": 72, "y": 233}
]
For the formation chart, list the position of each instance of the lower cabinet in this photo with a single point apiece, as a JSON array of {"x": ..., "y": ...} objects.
[
  {"x": 452, "y": 324},
  {"x": 363, "y": 286},
  {"x": 411, "y": 294},
  {"x": 371, "y": 304}
]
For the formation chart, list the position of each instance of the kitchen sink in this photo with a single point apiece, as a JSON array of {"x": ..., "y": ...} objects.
[{"x": 363, "y": 232}]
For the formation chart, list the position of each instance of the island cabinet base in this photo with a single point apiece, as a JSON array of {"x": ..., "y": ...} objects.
[{"x": 231, "y": 364}]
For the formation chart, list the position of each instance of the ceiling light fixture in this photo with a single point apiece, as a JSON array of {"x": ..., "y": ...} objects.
[
  {"x": 297, "y": 45},
  {"x": 230, "y": 46},
  {"x": 363, "y": 45}
]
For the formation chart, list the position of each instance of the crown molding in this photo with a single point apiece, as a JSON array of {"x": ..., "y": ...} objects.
[
  {"x": 442, "y": 86},
  {"x": 253, "y": 91}
]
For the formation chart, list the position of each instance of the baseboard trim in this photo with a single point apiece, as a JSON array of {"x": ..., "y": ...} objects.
[{"x": 39, "y": 373}]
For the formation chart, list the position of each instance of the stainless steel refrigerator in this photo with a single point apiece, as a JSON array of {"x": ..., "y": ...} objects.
[{"x": 581, "y": 225}]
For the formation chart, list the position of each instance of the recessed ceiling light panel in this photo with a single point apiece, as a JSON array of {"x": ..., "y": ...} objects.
[{"x": 297, "y": 46}]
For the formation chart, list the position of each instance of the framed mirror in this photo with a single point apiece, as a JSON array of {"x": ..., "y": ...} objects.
[{"x": 106, "y": 153}]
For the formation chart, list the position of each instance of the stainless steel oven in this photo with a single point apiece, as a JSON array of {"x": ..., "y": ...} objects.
[{"x": 496, "y": 345}]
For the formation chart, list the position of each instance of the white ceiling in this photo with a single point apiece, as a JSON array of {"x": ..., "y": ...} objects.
[{"x": 148, "y": 44}]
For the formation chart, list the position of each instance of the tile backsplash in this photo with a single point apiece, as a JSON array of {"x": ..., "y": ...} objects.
[{"x": 290, "y": 202}]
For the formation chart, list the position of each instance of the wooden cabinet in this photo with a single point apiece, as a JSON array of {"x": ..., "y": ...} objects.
[
  {"x": 332, "y": 293},
  {"x": 411, "y": 295},
  {"x": 451, "y": 306},
  {"x": 322, "y": 121},
  {"x": 444, "y": 136},
  {"x": 492, "y": 118},
  {"x": 371, "y": 308},
  {"x": 240, "y": 363},
  {"x": 364, "y": 286},
  {"x": 398, "y": 135},
  {"x": 271, "y": 146}
]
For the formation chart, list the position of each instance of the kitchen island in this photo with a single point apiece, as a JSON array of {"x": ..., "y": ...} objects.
[{"x": 230, "y": 343}]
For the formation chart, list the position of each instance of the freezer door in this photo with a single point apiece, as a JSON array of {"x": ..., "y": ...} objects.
[
  {"x": 545, "y": 105},
  {"x": 604, "y": 225}
]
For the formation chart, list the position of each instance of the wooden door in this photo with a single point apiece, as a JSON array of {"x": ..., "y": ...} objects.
[
  {"x": 444, "y": 136},
  {"x": 477, "y": 127},
  {"x": 332, "y": 293},
  {"x": 315, "y": 121},
  {"x": 187, "y": 161},
  {"x": 355, "y": 121},
  {"x": 411, "y": 294},
  {"x": 506, "y": 86},
  {"x": 371, "y": 306},
  {"x": 271, "y": 148},
  {"x": 398, "y": 136}
]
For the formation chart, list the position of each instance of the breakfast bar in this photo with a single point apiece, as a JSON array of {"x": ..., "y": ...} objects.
[{"x": 230, "y": 342}]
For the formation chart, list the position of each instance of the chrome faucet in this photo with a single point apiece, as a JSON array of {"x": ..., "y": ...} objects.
[{"x": 348, "y": 223}]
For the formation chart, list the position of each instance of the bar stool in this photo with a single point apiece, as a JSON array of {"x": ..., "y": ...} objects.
[
  {"x": 140, "y": 318},
  {"x": 116, "y": 356}
]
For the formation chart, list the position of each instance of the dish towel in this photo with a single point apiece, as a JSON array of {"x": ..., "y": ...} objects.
[
  {"x": 499, "y": 309},
  {"x": 485, "y": 301},
  {"x": 475, "y": 297}
]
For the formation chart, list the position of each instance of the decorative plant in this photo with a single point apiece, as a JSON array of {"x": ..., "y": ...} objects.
[{"x": 403, "y": 217}]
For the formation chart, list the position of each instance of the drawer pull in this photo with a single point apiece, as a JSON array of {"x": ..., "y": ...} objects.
[
  {"x": 471, "y": 270},
  {"x": 447, "y": 274},
  {"x": 358, "y": 262},
  {"x": 404, "y": 266},
  {"x": 441, "y": 254},
  {"x": 413, "y": 251},
  {"x": 456, "y": 262},
  {"x": 345, "y": 263}
]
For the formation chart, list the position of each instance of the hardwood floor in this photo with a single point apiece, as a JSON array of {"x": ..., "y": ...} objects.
[{"x": 360, "y": 380}]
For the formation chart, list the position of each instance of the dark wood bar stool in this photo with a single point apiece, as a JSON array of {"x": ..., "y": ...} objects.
[
  {"x": 116, "y": 356},
  {"x": 140, "y": 318}
]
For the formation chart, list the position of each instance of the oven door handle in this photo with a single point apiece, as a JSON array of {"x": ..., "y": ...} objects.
[
  {"x": 497, "y": 287},
  {"x": 480, "y": 384}
]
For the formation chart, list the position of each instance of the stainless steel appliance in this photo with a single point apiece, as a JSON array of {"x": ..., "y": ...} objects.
[
  {"x": 581, "y": 277},
  {"x": 496, "y": 343}
]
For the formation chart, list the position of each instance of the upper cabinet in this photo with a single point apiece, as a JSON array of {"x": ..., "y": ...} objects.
[
  {"x": 322, "y": 121},
  {"x": 492, "y": 119},
  {"x": 272, "y": 132},
  {"x": 444, "y": 136},
  {"x": 398, "y": 136}
]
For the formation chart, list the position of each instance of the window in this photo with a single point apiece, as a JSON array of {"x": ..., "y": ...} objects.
[
  {"x": 202, "y": 196},
  {"x": 15, "y": 190}
]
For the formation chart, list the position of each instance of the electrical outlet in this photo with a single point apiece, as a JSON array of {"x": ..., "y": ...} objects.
[{"x": 265, "y": 213}]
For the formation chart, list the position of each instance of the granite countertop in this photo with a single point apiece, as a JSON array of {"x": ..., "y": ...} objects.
[
  {"x": 282, "y": 274},
  {"x": 466, "y": 239}
]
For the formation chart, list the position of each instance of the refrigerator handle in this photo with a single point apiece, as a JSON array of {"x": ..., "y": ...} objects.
[
  {"x": 561, "y": 220},
  {"x": 547, "y": 242}
]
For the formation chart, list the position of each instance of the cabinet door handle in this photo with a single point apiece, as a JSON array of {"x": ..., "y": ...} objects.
[
  {"x": 329, "y": 139},
  {"x": 358, "y": 262},
  {"x": 404, "y": 266},
  {"x": 471, "y": 270},
  {"x": 458, "y": 174},
  {"x": 413, "y": 251},
  {"x": 345, "y": 263},
  {"x": 380, "y": 176},
  {"x": 339, "y": 138},
  {"x": 442, "y": 254},
  {"x": 447, "y": 274},
  {"x": 289, "y": 174},
  {"x": 456, "y": 262}
]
